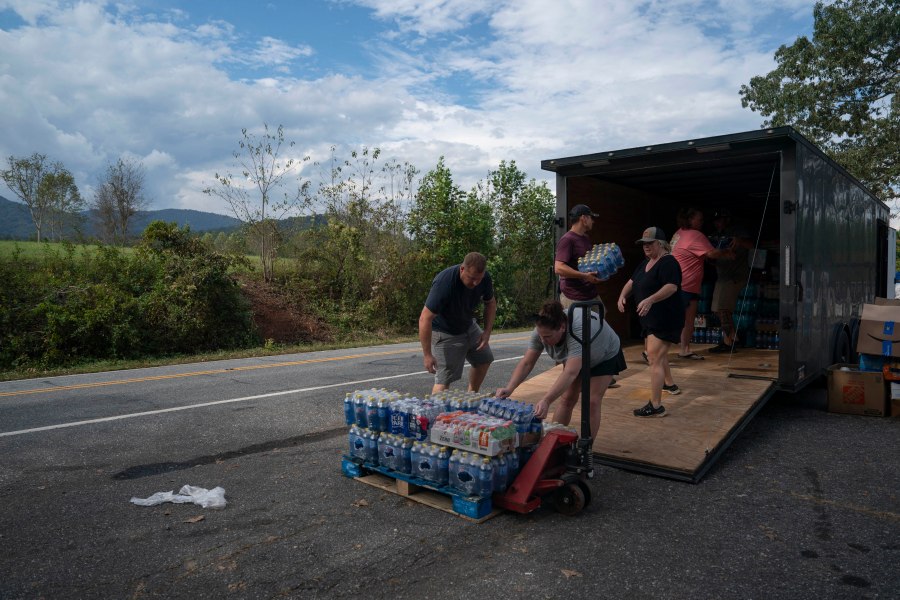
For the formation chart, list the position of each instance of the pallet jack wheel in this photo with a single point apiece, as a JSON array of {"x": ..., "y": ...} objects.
[
  {"x": 586, "y": 490},
  {"x": 569, "y": 500}
]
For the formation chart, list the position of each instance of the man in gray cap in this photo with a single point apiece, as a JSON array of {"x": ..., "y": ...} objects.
[{"x": 574, "y": 285}]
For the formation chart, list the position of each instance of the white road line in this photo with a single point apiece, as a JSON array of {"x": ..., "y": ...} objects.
[{"x": 215, "y": 403}]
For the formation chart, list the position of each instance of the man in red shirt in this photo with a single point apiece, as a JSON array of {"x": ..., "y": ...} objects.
[{"x": 574, "y": 285}]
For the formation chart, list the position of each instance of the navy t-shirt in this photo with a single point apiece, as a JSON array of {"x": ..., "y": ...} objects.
[
  {"x": 454, "y": 303},
  {"x": 668, "y": 314}
]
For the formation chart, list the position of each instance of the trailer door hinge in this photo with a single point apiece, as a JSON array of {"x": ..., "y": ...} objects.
[
  {"x": 789, "y": 207},
  {"x": 786, "y": 323}
]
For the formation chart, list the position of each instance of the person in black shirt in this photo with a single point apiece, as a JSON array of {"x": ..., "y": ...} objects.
[
  {"x": 447, "y": 328},
  {"x": 655, "y": 284}
]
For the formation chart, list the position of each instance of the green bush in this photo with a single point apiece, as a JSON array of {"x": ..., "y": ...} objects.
[{"x": 173, "y": 294}]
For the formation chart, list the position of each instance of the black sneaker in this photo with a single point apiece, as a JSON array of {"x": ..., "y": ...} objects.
[
  {"x": 672, "y": 389},
  {"x": 648, "y": 411}
]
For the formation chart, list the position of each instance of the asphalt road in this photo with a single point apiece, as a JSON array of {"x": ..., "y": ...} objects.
[{"x": 803, "y": 505}]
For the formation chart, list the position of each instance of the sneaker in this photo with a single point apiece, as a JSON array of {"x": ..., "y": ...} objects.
[
  {"x": 649, "y": 411},
  {"x": 672, "y": 389}
]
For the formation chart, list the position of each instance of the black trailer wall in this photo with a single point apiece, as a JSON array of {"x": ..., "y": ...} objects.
[{"x": 830, "y": 258}]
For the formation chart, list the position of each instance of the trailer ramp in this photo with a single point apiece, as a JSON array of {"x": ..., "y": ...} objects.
[{"x": 720, "y": 395}]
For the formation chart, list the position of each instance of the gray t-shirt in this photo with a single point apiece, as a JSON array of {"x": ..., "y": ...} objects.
[{"x": 604, "y": 347}]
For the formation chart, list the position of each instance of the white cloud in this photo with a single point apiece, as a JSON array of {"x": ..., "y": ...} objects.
[{"x": 86, "y": 84}]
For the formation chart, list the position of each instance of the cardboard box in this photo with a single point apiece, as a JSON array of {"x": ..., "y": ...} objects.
[
  {"x": 887, "y": 301},
  {"x": 855, "y": 392},
  {"x": 895, "y": 399},
  {"x": 879, "y": 330}
]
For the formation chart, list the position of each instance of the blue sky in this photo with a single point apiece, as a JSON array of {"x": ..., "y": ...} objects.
[{"x": 171, "y": 84}]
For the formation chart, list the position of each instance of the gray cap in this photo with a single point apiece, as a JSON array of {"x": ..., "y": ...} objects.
[{"x": 652, "y": 234}]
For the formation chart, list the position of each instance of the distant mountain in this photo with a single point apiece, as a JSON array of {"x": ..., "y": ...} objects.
[{"x": 16, "y": 223}]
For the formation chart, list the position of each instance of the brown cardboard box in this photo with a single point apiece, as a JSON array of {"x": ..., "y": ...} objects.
[
  {"x": 856, "y": 392},
  {"x": 895, "y": 399},
  {"x": 879, "y": 330},
  {"x": 887, "y": 301}
]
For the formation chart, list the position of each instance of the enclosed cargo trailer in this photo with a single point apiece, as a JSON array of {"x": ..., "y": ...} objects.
[{"x": 822, "y": 238}]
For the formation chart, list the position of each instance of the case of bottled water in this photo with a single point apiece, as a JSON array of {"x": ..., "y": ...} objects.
[{"x": 602, "y": 259}]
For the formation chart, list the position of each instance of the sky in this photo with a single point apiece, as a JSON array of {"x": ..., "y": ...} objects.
[{"x": 170, "y": 85}]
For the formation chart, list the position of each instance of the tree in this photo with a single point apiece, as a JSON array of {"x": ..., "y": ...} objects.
[
  {"x": 523, "y": 215},
  {"x": 446, "y": 223},
  {"x": 119, "y": 197},
  {"x": 840, "y": 89},
  {"x": 64, "y": 203},
  {"x": 24, "y": 179},
  {"x": 255, "y": 198}
]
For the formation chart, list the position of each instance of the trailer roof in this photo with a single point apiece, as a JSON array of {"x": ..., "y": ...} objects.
[{"x": 712, "y": 166}]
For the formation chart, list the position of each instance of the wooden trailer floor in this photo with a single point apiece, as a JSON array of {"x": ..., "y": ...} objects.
[{"x": 719, "y": 395}]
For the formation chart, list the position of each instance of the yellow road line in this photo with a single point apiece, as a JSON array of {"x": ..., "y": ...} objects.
[{"x": 82, "y": 386}]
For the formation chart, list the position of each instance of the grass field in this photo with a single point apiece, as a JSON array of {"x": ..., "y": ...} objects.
[{"x": 32, "y": 250}]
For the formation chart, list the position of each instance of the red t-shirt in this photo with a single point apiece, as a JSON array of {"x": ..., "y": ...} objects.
[
  {"x": 570, "y": 247},
  {"x": 689, "y": 247}
]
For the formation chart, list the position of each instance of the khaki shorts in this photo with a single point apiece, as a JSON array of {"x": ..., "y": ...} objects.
[
  {"x": 567, "y": 302},
  {"x": 452, "y": 351},
  {"x": 725, "y": 295}
]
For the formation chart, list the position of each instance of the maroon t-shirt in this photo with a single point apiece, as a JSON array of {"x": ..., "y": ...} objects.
[{"x": 569, "y": 249}]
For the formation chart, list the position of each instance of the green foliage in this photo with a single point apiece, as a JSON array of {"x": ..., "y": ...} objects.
[
  {"x": 521, "y": 264},
  {"x": 447, "y": 224},
  {"x": 173, "y": 294},
  {"x": 840, "y": 89}
]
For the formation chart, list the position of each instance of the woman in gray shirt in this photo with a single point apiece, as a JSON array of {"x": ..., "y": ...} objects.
[{"x": 551, "y": 335}]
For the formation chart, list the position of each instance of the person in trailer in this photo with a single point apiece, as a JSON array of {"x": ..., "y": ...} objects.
[{"x": 655, "y": 285}]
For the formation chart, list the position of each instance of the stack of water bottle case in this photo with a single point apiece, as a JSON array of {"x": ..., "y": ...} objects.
[{"x": 465, "y": 441}]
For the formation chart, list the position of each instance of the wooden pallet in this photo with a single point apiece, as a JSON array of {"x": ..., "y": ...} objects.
[{"x": 470, "y": 508}]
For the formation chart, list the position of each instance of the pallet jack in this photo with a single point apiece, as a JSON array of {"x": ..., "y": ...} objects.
[{"x": 563, "y": 462}]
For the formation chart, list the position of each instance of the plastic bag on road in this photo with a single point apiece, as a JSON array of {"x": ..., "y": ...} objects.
[{"x": 214, "y": 498}]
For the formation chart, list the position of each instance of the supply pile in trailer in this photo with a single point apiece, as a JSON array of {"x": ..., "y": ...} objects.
[{"x": 464, "y": 446}]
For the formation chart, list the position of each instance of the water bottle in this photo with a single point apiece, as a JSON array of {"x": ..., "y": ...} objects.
[
  {"x": 385, "y": 452},
  {"x": 485, "y": 479},
  {"x": 360, "y": 410},
  {"x": 443, "y": 466},
  {"x": 432, "y": 456},
  {"x": 501, "y": 479},
  {"x": 349, "y": 411},
  {"x": 372, "y": 447},
  {"x": 351, "y": 438},
  {"x": 372, "y": 414},
  {"x": 453, "y": 469},
  {"x": 513, "y": 466},
  {"x": 404, "y": 461},
  {"x": 415, "y": 453},
  {"x": 384, "y": 414}
]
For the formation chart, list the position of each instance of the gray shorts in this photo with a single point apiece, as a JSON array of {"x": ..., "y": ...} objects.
[
  {"x": 725, "y": 295},
  {"x": 451, "y": 352}
]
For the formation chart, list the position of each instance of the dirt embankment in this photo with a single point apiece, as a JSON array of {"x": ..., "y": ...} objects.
[{"x": 280, "y": 318}]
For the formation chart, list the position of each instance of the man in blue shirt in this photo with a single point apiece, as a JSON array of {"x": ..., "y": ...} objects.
[{"x": 447, "y": 328}]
